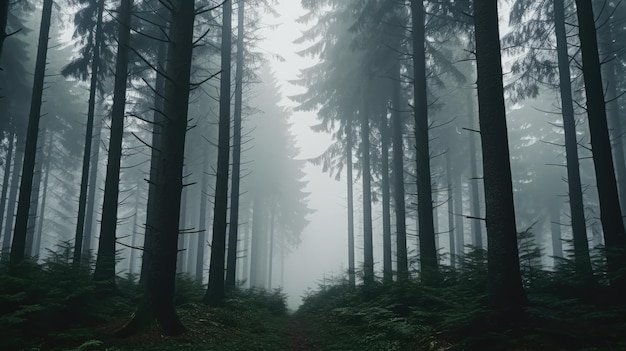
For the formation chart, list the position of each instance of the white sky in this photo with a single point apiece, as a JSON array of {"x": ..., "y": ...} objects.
[{"x": 324, "y": 242}]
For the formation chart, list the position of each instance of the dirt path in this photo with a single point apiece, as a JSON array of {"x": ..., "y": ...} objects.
[{"x": 300, "y": 336}]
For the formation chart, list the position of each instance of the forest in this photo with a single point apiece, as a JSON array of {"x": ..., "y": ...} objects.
[{"x": 163, "y": 189}]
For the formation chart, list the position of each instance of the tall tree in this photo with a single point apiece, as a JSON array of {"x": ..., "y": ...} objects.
[
  {"x": 504, "y": 279},
  {"x": 216, "y": 289},
  {"x": 428, "y": 251},
  {"x": 105, "y": 262},
  {"x": 159, "y": 280},
  {"x": 32, "y": 133},
  {"x": 368, "y": 245},
  {"x": 233, "y": 228},
  {"x": 610, "y": 210},
  {"x": 384, "y": 137},
  {"x": 577, "y": 210},
  {"x": 91, "y": 108}
]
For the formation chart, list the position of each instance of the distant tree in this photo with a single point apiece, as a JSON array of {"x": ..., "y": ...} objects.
[
  {"x": 505, "y": 286},
  {"x": 32, "y": 133}
]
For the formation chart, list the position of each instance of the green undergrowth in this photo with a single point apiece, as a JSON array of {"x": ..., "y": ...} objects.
[
  {"x": 453, "y": 313},
  {"x": 54, "y": 306}
]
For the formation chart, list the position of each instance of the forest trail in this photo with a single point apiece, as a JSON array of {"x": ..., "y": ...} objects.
[{"x": 300, "y": 335}]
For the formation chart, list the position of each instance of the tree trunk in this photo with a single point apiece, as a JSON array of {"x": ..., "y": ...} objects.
[
  {"x": 368, "y": 247},
  {"x": 270, "y": 257},
  {"x": 42, "y": 210},
  {"x": 159, "y": 282},
  {"x": 231, "y": 267},
  {"x": 216, "y": 290},
  {"x": 255, "y": 243},
  {"x": 4, "y": 17},
  {"x": 398, "y": 182},
  {"x": 202, "y": 219},
  {"x": 428, "y": 252},
  {"x": 182, "y": 232},
  {"x": 245, "y": 271},
  {"x": 350, "y": 185},
  {"x": 34, "y": 197},
  {"x": 459, "y": 229},
  {"x": 91, "y": 108},
  {"x": 610, "y": 71},
  {"x": 157, "y": 126},
  {"x": 133, "y": 241},
  {"x": 6, "y": 178},
  {"x": 384, "y": 136},
  {"x": 105, "y": 262},
  {"x": 89, "y": 227},
  {"x": 451, "y": 229},
  {"x": 477, "y": 235},
  {"x": 504, "y": 281},
  {"x": 579, "y": 227},
  {"x": 23, "y": 206},
  {"x": 11, "y": 202},
  {"x": 610, "y": 210}
]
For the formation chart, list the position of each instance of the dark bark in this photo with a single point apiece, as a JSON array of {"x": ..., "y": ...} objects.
[
  {"x": 477, "y": 235},
  {"x": 180, "y": 257},
  {"x": 202, "y": 219},
  {"x": 427, "y": 249},
  {"x": 32, "y": 133},
  {"x": 579, "y": 227},
  {"x": 42, "y": 209},
  {"x": 504, "y": 280},
  {"x": 34, "y": 197},
  {"x": 11, "y": 201},
  {"x": 216, "y": 289},
  {"x": 368, "y": 246},
  {"x": 233, "y": 229},
  {"x": 270, "y": 256},
  {"x": 4, "y": 17},
  {"x": 398, "y": 181},
  {"x": 159, "y": 281},
  {"x": 105, "y": 262},
  {"x": 350, "y": 185},
  {"x": 91, "y": 108},
  {"x": 157, "y": 126},
  {"x": 384, "y": 137},
  {"x": 451, "y": 229},
  {"x": 90, "y": 227},
  {"x": 611, "y": 69},
  {"x": 7, "y": 176},
  {"x": 610, "y": 210},
  {"x": 133, "y": 241}
]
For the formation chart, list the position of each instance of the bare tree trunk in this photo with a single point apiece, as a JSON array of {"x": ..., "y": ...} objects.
[
  {"x": 34, "y": 197},
  {"x": 255, "y": 244},
  {"x": 428, "y": 252},
  {"x": 459, "y": 229},
  {"x": 182, "y": 234},
  {"x": 451, "y": 199},
  {"x": 477, "y": 235},
  {"x": 231, "y": 267},
  {"x": 4, "y": 17},
  {"x": 398, "y": 182},
  {"x": 11, "y": 202},
  {"x": 89, "y": 227},
  {"x": 7, "y": 176},
  {"x": 504, "y": 278},
  {"x": 387, "y": 266},
  {"x": 202, "y": 219},
  {"x": 350, "y": 185},
  {"x": 610, "y": 210},
  {"x": 555, "y": 227},
  {"x": 42, "y": 210},
  {"x": 270, "y": 257},
  {"x": 216, "y": 290},
  {"x": 133, "y": 243},
  {"x": 577, "y": 210},
  {"x": 105, "y": 262},
  {"x": 23, "y": 206},
  {"x": 368, "y": 247}
]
